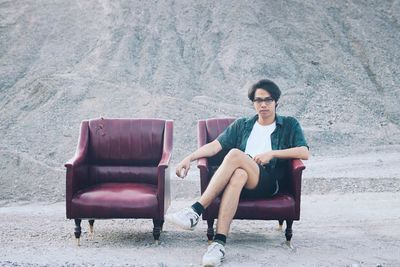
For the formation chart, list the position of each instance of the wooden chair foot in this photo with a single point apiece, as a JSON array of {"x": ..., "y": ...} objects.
[
  {"x": 156, "y": 230},
  {"x": 77, "y": 231},
  {"x": 289, "y": 233},
  {"x": 91, "y": 227},
  {"x": 210, "y": 230},
  {"x": 162, "y": 225},
  {"x": 280, "y": 226}
]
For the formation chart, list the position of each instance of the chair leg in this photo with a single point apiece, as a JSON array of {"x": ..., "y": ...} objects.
[
  {"x": 91, "y": 229},
  {"x": 78, "y": 231},
  {"x": 210, "y": 230},
  {"x": 280, "y": 225},
  {"x": 157, "y": 230},
  {"x": 289, "y": 232}
]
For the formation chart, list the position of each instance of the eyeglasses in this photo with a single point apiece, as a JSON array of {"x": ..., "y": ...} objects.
[{"x": 267, "y": 100}]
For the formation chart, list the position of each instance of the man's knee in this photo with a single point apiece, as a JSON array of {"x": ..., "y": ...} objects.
[
  {"x": 234, "y": 155},
  {"x": 239, "y": 178}
]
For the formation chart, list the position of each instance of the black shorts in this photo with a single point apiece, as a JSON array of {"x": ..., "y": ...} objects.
[{"x": 267, "y": 185}]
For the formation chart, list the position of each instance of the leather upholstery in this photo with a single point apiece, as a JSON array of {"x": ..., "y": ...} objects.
[
  {"x": 116, "y": 200},
  {"x": 108, "y": 174},
  {"x": 120, "y": 169},
  {"x": 283, "y": 206},
  {"x": 216, "y": 126},
  {"x": 125, "y": 142}
]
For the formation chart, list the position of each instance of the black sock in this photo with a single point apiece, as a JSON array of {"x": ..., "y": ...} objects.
[
  {"x": 198, "y": 208},
  {"x": 220, "y": 238}
]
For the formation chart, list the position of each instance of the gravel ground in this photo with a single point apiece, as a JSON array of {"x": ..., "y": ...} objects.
[{"x": 361, "y": 229}]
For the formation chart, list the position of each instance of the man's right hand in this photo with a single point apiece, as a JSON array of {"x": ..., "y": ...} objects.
[{"x": 183, "y": 167}]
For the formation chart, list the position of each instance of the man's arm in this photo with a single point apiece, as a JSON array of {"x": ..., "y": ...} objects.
[
  {"x": 205, "y": 151},
  {"x": 290, "y": 153}
]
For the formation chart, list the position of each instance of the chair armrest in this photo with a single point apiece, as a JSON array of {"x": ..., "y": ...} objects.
[
  {"x": 202, "y": 164},
  {"x": 77, "y": 170},
  {"x": 165, "y": 159},
  {"x": 167, "y": 145},
  {"x": 297, "y": 165},
  {"x": 82, "y": 147},
  {"x": 75, "y": 161},
  {"x": 163, "y": 174},
  {"x": 296, "y": 169},
  {"x": 201, "y": 133}
]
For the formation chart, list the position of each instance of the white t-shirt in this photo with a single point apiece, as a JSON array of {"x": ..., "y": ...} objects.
[{"x": 260, "y": 139}]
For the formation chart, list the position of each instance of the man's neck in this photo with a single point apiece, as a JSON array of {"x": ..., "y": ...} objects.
[{"x": 266, "y": 121}]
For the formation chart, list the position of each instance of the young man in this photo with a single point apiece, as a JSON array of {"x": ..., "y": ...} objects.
[{"x": 258, "y": 149}]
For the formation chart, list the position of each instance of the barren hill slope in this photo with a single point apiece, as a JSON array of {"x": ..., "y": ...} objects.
[{"x": 338, "y": 65}]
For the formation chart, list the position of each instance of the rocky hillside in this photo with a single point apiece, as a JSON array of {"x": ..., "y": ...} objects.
[{"x": 337, "y": 63}]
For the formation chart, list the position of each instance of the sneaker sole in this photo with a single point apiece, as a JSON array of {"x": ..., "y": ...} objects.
[{"x": 214, "y": 265}]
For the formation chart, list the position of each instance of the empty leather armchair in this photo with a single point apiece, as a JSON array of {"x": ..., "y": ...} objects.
[
  {"x": 120, "y": 170},
  {"x": 283, "y": 206}
]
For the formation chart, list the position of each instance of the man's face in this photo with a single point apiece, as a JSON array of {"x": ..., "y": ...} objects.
[{"x": 264, "y": 104}]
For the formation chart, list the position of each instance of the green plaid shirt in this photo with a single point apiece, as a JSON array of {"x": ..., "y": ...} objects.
[{"x": 287, "y": 134}]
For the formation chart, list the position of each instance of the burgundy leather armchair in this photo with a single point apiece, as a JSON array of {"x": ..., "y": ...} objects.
[
  {"x": 120, "y": 170},
  {"x": 283, "y": 206}
]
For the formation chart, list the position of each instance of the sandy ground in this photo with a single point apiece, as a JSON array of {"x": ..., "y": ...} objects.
[{"x": 360, "y": 229}]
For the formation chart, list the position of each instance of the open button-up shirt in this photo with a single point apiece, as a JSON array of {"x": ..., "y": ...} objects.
[{"x": 287, "y": 134}]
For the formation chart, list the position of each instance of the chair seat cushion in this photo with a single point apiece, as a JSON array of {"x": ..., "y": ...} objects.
[
  {"x": 280, "y": 206},
  {"x": 116, "y": 200}
]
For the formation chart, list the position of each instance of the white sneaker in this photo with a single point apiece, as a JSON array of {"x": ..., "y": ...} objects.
[
  {"x": 186, "y": 218},
  {"x": 215, "y": 255}
]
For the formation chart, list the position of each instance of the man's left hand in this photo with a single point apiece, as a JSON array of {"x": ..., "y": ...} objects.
[{"x": 263, "y": 158}]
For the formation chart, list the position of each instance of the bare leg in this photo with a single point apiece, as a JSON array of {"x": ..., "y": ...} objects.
[
  {"x": 230, "y": 201},
  {"x": 237, "y": 171},
  {"x": 233, "y": 160}
]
